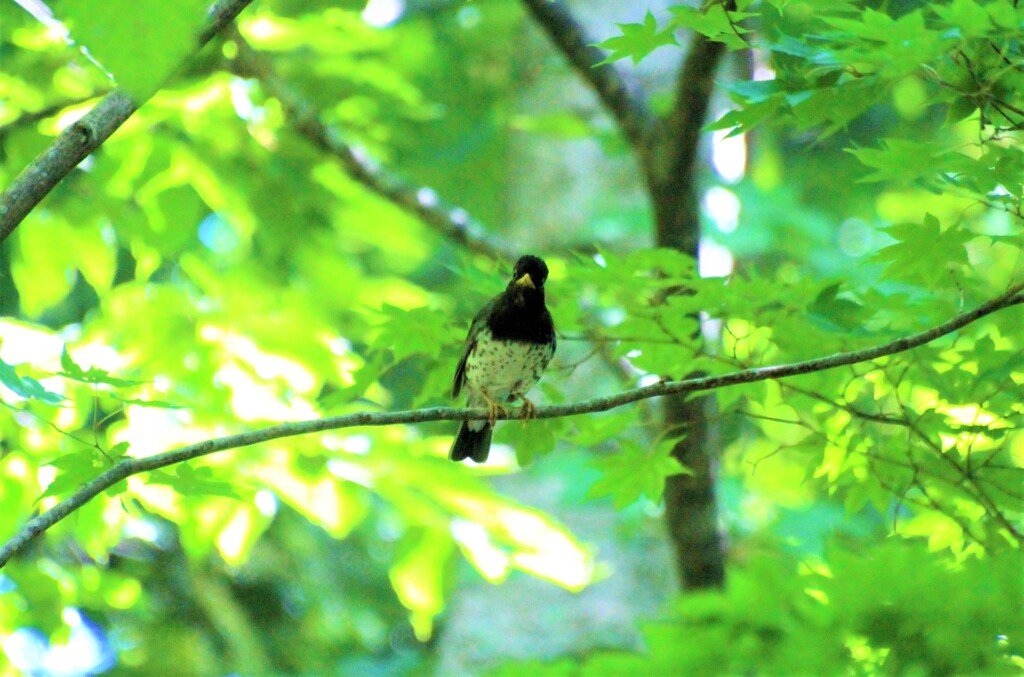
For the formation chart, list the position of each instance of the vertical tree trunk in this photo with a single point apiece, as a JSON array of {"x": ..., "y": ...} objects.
[{"x": 691, "y": 509}]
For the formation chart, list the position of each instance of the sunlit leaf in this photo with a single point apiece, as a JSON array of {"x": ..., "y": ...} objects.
[
  {"x": 156, "y": 404},
  {"x": 75, "y": 469},
  {"x": 924, "y": 252},
  {"x": 26, "y": 386},
  {"x": 715, "y": 22},
  {"x": 189, "y": 481},
  {"x": 637, "y": 40},
  {"x": 93, "y": 375},
  {"x": 139, "y": 42}
]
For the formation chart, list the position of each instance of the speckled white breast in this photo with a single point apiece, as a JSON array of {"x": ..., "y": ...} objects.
[{"x": 501, "y": 368}]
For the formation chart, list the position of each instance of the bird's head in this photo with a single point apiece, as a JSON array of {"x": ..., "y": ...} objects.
[{"x": 528, "y": 277}]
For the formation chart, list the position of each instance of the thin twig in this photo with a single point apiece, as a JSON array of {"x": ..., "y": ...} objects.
[
  {"x": 423, "y": 202},
  {"x": 30, "y": 117}
]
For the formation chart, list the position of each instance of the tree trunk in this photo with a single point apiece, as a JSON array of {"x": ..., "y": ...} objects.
[{"x": 691, "y": 509}]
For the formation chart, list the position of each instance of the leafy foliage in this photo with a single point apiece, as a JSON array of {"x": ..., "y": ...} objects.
[
  {"x": 220, "y": 270},
  {"x": 886, "y": 611}
]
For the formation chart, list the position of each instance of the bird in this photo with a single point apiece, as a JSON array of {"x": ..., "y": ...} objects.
[{"x": 509, "y": 344}]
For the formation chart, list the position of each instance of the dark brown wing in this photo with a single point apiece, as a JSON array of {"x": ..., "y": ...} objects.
[
  {"x": 474, "y": 331},
  {"x": 460, "y": 371}
]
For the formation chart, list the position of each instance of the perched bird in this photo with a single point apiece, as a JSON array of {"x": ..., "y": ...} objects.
[{"x": 510, "y": 342}]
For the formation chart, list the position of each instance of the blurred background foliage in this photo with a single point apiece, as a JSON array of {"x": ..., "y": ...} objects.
[{"x": 217, "y": 267}]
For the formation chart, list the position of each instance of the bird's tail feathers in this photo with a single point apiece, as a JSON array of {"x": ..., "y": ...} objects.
[{"x": 472, "y": 444}]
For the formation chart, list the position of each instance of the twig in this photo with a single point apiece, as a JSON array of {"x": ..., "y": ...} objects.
[
  {"x": 850, "y": 409},
  {"x": 30, "y": 117},
  {"x": 450, "y": 221},
  {"x": 132, "y": 466},
  {"x": 83, "y": 137},
  {"x": 967, "y": 482}
]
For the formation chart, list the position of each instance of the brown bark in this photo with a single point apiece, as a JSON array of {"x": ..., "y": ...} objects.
[{"x": 691, "y": 507}]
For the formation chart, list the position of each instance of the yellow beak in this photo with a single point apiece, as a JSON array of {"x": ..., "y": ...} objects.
[{"x": 526, "y": 281}]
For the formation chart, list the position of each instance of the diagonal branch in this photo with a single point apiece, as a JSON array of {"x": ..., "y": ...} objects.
[
  {"x": 619, "y": 93},
  {"x": 127, "y": 467},
  {"x": 83, "y": 137},
  {"x": 451, "y": 221}
]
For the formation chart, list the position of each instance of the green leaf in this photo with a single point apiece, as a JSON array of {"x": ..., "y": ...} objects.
[
  {"x": 414, "y": 331},
  {"x": 70, "y": 367},
  {"x": 636, "y": 471},
  {"x": 118, "y": 450},
  {"x": 924, "y": 253},
  {"x": 996, "y": 366},
  {"x": 637, "y": 40},
  {"x": 418, "y": 577},
  {"x": 872, "y": 25},
  {"x": 189, "y": 481},
  {"x": 141, "y": 42},
  {"x": 531, "y": 439},
  {"x": 93, "y": 375},
  {"x": 41, "y": 272},
  {"x": 900, "y": 160},
  {"x": 26, "y": 386},
  {"x": 970, "y": 18},
  {"x": 714, "y": 22},
  {"x": 155, "y": 404},
  {"x": 75, "y": 470},
  {"x": 835, "y": 313},
  {"x": 1004, "y": 14}
]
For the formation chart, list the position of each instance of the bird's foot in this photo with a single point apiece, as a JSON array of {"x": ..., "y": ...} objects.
[
  {"x": 493, "y": 410},
  {"x": 528, "y": 410}
]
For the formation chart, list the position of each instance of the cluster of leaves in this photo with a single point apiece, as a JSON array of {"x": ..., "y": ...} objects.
[
  {"x": 714, "y": 21},
  {"x": 890, "y": 609},
  {"x": 925, "y": 102},
  {"x": 936, "y": 429},
  {"x": 835, "y": 60},
  {"x": 938, "y": 214},
  {"x": 837, "y": 63}
]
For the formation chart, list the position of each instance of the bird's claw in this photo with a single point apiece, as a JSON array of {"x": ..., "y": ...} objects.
[
  {"x": 528, "y": 410},
  {"x": 493, "y": 410}
]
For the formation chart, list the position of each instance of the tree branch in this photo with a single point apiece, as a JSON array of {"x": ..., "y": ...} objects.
[
  {"x": 685, "y": 123},
  {"x": 133, "y": 466},
  {"x": 619, "y": 93},
  {"x": 84, "y": 136},
  {"x": 675, "y": 195},
  {"x": 694, "y": 86},
  {"x": 420, "y": 201}
]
